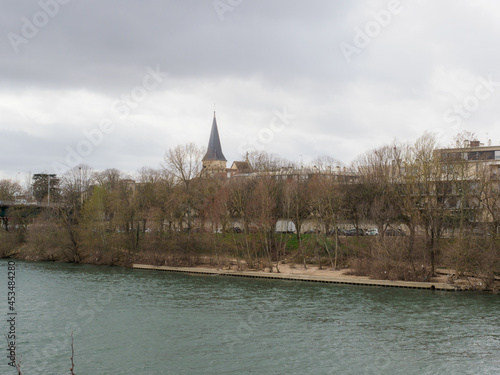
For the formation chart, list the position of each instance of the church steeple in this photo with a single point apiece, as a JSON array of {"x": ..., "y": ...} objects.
[
  {"x": 214, "y": 161},
  {"x": 214, "y": 149}
]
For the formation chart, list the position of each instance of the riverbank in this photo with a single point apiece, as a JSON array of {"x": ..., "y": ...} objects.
[
  {"x": 313, "y": 274},
  {"x": 360, "y": 260},
  {"x": 444, "y": 280}
]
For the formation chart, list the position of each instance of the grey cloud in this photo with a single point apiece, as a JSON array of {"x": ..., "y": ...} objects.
[{"x": 264, "y": 54}]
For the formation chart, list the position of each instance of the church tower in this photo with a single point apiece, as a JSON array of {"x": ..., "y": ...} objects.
[{"x": 214, "y": 161}]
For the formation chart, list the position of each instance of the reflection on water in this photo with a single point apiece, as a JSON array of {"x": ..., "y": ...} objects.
[{"x": 146, "y": 322}]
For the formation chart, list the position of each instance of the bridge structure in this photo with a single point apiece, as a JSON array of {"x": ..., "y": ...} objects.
[{"x": 26, "y": 210}]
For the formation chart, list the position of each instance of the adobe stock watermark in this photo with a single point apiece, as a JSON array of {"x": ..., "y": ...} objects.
[
  {"x": 266, "y": 135},
  {"x": 372, "y": 29},
  {"x": 120, "y": 108},
  {"x": 223, "y": 6},
  {"x": 463, "y": 110},
  {"x": 31, "y": 26}
]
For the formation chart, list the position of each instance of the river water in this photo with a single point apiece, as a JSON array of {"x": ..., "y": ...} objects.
[{"x": 149, "y": 322}]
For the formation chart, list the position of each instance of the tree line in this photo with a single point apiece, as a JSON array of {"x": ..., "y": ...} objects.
[{"x": 177, "y": 215}]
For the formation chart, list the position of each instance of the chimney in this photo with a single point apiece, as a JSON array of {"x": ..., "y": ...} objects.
[
  {"x": 475, "y": 144},
  {"x": 489, "y": 142}
]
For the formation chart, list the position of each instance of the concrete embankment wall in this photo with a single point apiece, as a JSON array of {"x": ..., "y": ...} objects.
[{"x": 307, "y": 278}]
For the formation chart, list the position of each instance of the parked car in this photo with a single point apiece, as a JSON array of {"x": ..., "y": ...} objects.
[
  {"x": 480, "y": 232},
  {"x": 236, "y": 230},
  {"x": 285, "y": 226},
  {"x": 312, "y": 231},
  {"x": 394, "y": 232},
  {"x": 371, "y": 232},
  {"x": 339, "y": 231},
  {"x": 355, "y": 232}
]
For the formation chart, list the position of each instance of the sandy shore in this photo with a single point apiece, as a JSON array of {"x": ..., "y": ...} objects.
[
  {"x": 287, "y": 269},
  {"x": 295, "y": 269},
  {"x": 311, "y": 274},
  {"x": 444, "y": 280},
  {"x": 443, "y": 275}
]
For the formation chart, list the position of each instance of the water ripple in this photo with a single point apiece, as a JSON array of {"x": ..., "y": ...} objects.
[{"x": 137, "y": 322}]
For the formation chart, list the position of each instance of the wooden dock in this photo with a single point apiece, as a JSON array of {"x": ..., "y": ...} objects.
[{"x": 307, "y": 278}]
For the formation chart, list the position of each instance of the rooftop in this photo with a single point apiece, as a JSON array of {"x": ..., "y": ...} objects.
[{"x": 214, "y": 149}]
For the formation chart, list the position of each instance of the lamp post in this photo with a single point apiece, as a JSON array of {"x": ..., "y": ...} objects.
[
  {"x": 48, "y": 197},
  {"x": 81, "y": 194}
]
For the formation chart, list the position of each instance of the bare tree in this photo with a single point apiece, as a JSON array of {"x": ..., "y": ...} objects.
[
  {"x": 409, "y": 197},
  {"x": 327, "y": 200},
  {"x": 298, "y": 196},
  {"x": 9, "y": 189},
  {"x": 488, "y": 194},
  {"x": 262, "y": 161},
  {"x": 149, "y": 175},
  {"x": 264, "y": 210},
  {"x": 378, "y": 174},
  {"x": 95, "y": 223},
  {"x": 153, "y": 193},
  {"x": 75, "y": 186},
  {"x": 184, "y": 164},
  {"x": 109, "y": 179},
  {"x": 326, "y": 164},
  {"x": 434, "y": 178},
  {"x": 463, "y": 139},
  {"x": 240, "y": 201}
]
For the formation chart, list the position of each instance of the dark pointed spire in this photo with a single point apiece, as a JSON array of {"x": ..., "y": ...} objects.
[{"x": 214, "y": 149}]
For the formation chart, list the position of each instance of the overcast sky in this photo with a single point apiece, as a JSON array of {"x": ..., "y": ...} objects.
[{"x": 116, "y": 83}]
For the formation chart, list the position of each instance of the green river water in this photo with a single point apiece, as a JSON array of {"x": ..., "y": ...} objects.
[{"x": 148, "y": 322}]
